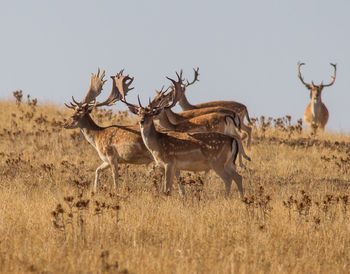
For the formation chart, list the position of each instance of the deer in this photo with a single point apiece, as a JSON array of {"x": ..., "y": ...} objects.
[
  {"x": 214, "y": 106},
  {"x": 114, "y": 144},
  {"x": 316, "y": 113},
  {"x": 222, "y": 122},
  {"x": 195, "y": 116},
  {"x": 176, "y": 151}
]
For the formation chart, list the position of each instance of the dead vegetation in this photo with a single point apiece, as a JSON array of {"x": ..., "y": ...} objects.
[{"x": 294, "y": 217}]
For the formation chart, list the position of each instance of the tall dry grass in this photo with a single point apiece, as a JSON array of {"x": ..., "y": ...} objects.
[{"x": 294, "y": 218}]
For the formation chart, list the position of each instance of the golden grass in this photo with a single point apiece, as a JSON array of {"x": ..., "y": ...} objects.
[{"x": 294, "y": 218}]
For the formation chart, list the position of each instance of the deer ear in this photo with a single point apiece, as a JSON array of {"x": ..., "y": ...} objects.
[{"x": 133, "y": 110}]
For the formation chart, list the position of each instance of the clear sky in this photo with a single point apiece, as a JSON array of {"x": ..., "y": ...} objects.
[{"x": 247, "y": 51}]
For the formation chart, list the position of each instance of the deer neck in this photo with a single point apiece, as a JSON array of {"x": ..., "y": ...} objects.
[
  {"x": 150, "y": 136},
  {"x": 90, "y": 129},
  {"x": 173, "y": 117},
  {"x": 164, "y": 121},
  {"x": 185, "y": 104}
]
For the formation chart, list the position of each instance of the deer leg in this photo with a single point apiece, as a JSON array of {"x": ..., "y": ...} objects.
[
  {"x": 114, "y": 166},
  {"x": 220, "y": 170},
  {"x": 181, "y": 187},
  {"x": 161, "y": 169},
  {"x": 206, "y": 173},
  {"x": 226, "y": 178},
  {"x": 98, "y": 171},
  {"x": 153, "y": 172},
  {"x": 231, "y": 171},
  {"x": 169, "y": 175},
  {"x": 238, "y": 180},
  {"x": 321, "y": 128},
  {"x": 313, "y": 127}
]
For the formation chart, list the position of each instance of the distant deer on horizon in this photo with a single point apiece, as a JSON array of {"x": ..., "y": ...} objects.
[{"x": 316, "y": 113}]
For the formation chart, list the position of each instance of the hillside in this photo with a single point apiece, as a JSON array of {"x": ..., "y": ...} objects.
[{"x": 294, "y": 217}]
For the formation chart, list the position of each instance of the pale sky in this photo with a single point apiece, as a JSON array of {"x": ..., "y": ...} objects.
[{"x": 247, "y": 51}]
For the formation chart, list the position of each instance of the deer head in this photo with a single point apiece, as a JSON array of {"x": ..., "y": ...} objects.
[
  {"x": 316, "y": 90},
  {"x": 184, "y": 85},
  {"x": 84, "y": 108},
  {"x": 162, "y": 97}
]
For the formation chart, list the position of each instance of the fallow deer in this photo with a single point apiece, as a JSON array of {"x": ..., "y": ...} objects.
[
  {"x": 209, "y": 107},
  {"x": 316, "y": 113},
  {"x": 188, "y": 151},
  {"x": 114, "y": 144}
]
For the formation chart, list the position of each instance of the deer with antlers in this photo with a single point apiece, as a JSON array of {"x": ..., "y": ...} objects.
[
  {"x": 214, "y": 106},
  {"x": 316, "y": 113},
  {"x": 223, "y": 122},
  {"x": 114, "y": 144},
  {"x": 188, "y": 151}
]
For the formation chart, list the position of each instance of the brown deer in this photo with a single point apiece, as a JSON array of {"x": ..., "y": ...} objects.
[
  {"x": 214, "y": 106},
  {"x": 188, "y": 151},
  {"x": 114, "y": 144},
  {"x": 195, "y": 116},
  {"x": 316, "y": 113}
]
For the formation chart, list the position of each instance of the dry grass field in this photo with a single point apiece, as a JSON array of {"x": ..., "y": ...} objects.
[{"x": 294, "y": 218}]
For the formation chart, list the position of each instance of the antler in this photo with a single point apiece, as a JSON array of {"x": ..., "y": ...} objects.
[
  {"x": 178, "y": 90},
  {"x": 120, "y": 88},
  {"x": 122, "y": 83},
  {"x": 161, "y": 91},
  {"x": 71, "y": 106},
  {"x": 301, "y": 77},
  {"x": 117, "y": 91},
  {"x": 195, "y": 78},
  {"x": 333, "y": 76},
  {"x": 95, "y": 87},
  {"x": 161, "y": 98}
]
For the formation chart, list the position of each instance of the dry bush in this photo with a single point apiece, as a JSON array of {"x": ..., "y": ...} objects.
[{"x": 294, "y": 217}]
